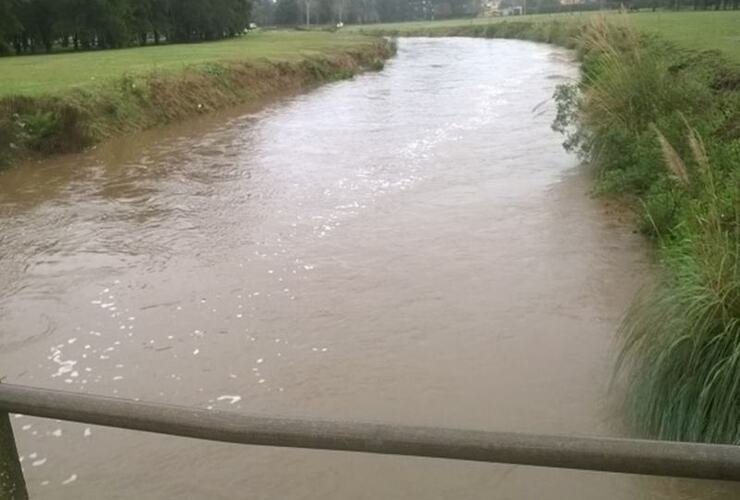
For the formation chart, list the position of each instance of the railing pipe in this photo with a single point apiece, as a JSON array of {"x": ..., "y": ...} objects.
[{"x": 691, "y": 460}]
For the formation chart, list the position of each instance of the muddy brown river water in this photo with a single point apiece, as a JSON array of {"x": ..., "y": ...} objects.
[{"x": 410, "y": 246}]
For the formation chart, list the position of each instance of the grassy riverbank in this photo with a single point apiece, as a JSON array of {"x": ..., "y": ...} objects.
[
  {"x": 691, "y": 30},
  {"x": 655, "y": 113},
  {"x": 658, "y": 117},
  {"x": 65, "y": 102},
  {"x": 662, "y": 125}
]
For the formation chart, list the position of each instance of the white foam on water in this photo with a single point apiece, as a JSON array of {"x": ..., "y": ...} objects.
[
  {"x": 231, "y": 399},
  {"x": 65, "y": 366}
]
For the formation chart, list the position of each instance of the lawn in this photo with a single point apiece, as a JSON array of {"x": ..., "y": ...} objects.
[
  {"x": 49, "y": 74},
  {"x": 701, "y": 30}
]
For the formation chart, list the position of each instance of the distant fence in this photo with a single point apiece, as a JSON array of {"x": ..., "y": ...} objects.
[{"x": 632, "y": 456}]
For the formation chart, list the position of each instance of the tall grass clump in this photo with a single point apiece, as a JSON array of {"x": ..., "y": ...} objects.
[
  {"x": 662, "y": 133},
  {"x": 682, "y": 335}
]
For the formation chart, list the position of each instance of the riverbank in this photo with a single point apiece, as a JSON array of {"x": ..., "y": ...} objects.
[
  {"x": 658, "y": 120},
  {"x": 64, "y": 103},
  {"x": 705, "y": 30},
  {"x": 660, "y": 125},
  {"x": 394, "y": 242}
]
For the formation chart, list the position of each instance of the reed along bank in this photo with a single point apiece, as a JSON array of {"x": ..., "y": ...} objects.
[{"x": 659, "y": 124}]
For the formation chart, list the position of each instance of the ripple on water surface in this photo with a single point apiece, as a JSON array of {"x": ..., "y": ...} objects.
[{"x": 409, "y": 246}]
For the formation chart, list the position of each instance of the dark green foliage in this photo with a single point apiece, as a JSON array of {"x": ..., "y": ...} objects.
[
  {"x": 9, "y": 24},
  {"x": 293, "y": 12},
  {"x": 659, "y": 129},
  {"x": 45, "y": 25},
  {"x": 287, "y": 12}
]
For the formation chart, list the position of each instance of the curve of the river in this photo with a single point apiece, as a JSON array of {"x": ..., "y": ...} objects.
[{"x": 409, "y": 246}]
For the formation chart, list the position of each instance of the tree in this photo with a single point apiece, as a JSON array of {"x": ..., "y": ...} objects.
[
  {"x": 264, "y": 12},
  {"x": 308, "y": 10},
  {"x": 287, "y": 12},
  {"x": 10, "y": 26},
  {"x": 325, "y": 12},
  {"x": 31, "y": 25},
  {"x": 340, "y": 9},
  {"x": 37, "y": 18}
]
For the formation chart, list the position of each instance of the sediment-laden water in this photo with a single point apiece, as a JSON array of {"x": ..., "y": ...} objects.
[{"x": 411, "y": 246}]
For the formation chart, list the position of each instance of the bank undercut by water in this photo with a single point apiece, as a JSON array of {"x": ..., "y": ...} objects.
[
  {"x": 660, "y": 125},
  {"x": 74, "y": 119}
]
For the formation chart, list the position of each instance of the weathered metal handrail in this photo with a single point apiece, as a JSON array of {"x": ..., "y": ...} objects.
[{"x": 631, "y": 456}]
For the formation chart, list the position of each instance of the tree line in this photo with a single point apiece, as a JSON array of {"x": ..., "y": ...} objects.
[
  {"x": 293, "y": 12},
  {"x": 29, "y": 26},
  {"x": 32, "y": 26}
]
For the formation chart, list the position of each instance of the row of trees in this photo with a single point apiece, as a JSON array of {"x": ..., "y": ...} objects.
[
  {"x": 40, "y": 25},
  {"x": 28, "y": 26},
  {"x": 291, "y": 12}
]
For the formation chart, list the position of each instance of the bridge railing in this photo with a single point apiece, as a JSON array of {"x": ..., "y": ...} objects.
[{"x": 632, "y": 456}]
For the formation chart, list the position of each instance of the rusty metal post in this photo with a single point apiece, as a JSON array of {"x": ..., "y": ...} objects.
[{"x": 12, "y": 483}]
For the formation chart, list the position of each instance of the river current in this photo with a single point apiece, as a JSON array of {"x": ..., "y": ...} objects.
[{"x": 410, "y": 246}]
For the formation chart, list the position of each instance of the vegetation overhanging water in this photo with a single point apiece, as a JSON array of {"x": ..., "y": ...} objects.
[{"x": 659, "y": 124}]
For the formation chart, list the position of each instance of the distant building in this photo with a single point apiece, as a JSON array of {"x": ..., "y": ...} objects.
[
  {"x": 516, "y": 10},
  {"x": 490, "y": 8},
  {"x": 495, "y": 8}
]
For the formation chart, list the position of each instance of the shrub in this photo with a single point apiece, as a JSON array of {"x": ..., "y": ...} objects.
[{"x": 641, "y": 115}]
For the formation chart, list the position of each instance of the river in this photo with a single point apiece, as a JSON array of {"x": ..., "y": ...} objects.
[{"x": 410, "y": 246}]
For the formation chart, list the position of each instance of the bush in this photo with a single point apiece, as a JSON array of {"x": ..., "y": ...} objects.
[{"x": 642, "y": 114}]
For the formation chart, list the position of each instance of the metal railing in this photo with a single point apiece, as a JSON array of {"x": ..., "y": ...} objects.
[{"x": 632, "y": 456}]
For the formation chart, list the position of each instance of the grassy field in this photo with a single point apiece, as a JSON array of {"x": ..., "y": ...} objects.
[
  {"x": 64, "y": 103},
  {"x": 45, "y": 74},
  {"x": 697, "y": 30},
  {"x": 48, "y": 74}
]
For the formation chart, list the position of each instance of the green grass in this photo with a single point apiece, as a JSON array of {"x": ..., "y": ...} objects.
[
  {"x": 661, "y": 127},
  {"x": 45, "y": 74},
  {"x": 696, "y": 30},
  {"x": 692, "y": 30},
  {"x": 55, "y": 73},
  {"x": 66, "y": 102}
]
